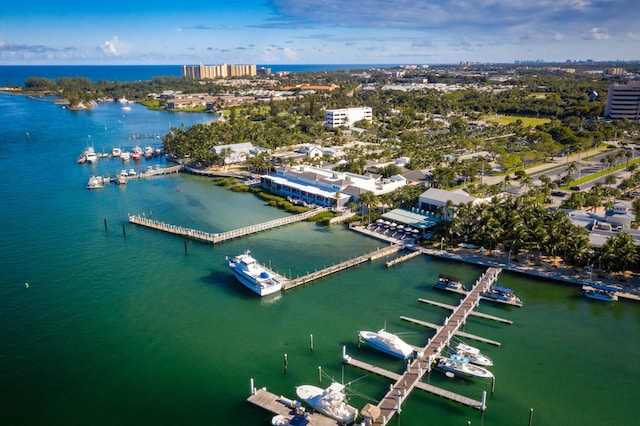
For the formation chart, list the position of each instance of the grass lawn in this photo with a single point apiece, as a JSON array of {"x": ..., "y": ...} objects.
[{"x": 508, "y": 119}]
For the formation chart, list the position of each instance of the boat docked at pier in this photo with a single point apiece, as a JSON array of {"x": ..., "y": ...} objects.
[
  {"x": 331, "y": 401},
  {"x": 461, "y": 367},
  {"x": 95, "y": 182},
  {"x": 501, "y": 295},
  {"x": 388, "y": 343},
  {"x": 252, "y": 275},
  {"x": 600, "y": 292},
  {"x": 449, "y": 283},
  {"x": 475, "y": 356}
]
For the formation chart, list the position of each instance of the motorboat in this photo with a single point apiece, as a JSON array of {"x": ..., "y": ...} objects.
[
  {"x": 388, "y": 343},
  {"x": 501, "y": 295},
  {"x": 115, "y": 152},
  {"x": 331, "y": 401},
  {"x": 475, "y": 356},
  {"x": 136, "y": 153},
  {"x": 125, "y": 156},
  {"x": 90, "y": 155},
  {"x": 600, "y": 292},
  {"x": 95, "y": 183},
  {"x": 447, "y": 282},
  {"x": 148, "y": 152},
  {"x": 461, "y": 367},
  {"x": 252, "y": 275}
]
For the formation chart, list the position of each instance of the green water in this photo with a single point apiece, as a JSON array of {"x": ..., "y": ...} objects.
[{"x": 134, "y": 329}]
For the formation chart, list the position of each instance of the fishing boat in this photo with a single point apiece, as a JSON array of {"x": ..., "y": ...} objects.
[
  {"x": 331, "y": 401},
  {"x": 501, "y": 295},
  {"x": 475, "y": 356},
  {"x": 447, "y": 282},
  {"x": 136, "y": 153},
  {"x": 388, "y": 343},
  {"x": 600, "y": 292},
  {"x": 95, "y": 183},
  {"x": 252, "y": 275},
  {"x": 461, "y": 367}
]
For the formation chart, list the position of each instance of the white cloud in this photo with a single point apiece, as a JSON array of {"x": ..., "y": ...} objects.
[
  {"x": 113, "y": 47},
  {"x": 597, "y": 34}
]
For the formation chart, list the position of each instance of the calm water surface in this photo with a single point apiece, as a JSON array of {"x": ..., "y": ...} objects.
[{"x": 133, "y": 329}]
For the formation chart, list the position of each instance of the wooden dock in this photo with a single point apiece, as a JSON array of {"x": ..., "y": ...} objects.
[
  {"x": 391, "y": 403},
  {"x": 403, "y": 258},
  {"x": 385, "y": 251},
  {"x": 459, "y": 333},
  {"x": 473, "y": 313},
  {"x": 207, "y": 237},
  {"x": 283, "y": 406}
]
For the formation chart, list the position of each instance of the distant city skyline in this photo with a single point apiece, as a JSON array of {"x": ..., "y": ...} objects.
[{"x": 318, "y": 32}]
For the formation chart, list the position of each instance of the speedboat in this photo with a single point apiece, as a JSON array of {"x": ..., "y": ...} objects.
[
  {"x": 447, "y": 282},
  {"x": 600, "y": 292},
  {"x": 501, "y": 295},
  {"x": 474, "y": 354},
  {"x": 252, "y": 275},
  {"x": 388, "y": 343},
  {"x": 461, "y": 367},
  {"x": 330, "y": 401},
  {"x": 115, "y": 152}
]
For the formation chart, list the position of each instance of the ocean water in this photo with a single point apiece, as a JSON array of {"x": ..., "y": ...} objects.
[
  {"x": 17, "y": 74},
  {"x": 125, "y": 325}
]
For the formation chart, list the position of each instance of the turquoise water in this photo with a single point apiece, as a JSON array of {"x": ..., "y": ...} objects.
[{"x": 134, "y": 329}]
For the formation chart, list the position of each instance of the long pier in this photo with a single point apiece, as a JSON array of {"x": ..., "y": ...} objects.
[
  {"x": 391, "y": 403},
  {"x": 220, "y": 237},
  {"x": 385, "y": 251}
]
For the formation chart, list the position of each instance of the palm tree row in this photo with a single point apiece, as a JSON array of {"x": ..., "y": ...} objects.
[{"x": 522, "y": 225}]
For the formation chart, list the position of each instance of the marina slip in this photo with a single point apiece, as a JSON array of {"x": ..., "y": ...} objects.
[{"x": 107, "y": 321}]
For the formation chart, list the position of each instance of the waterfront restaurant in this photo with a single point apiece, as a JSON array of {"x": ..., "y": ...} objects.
[{"x": 325, "y": 187}]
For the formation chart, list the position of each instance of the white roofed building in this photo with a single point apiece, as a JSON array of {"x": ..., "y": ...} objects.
[{"x": 347, "y": 116}]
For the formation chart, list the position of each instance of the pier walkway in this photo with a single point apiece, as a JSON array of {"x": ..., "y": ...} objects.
[
  {"x": 391, "y": 403},
  {"x": 385, "y": 251},
  {"x": 224, "y": 236}
]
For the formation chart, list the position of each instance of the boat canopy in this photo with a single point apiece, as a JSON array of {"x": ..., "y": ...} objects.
[
  {"x": 504, "y": 290},
  {"x": 604, "y": 287}
]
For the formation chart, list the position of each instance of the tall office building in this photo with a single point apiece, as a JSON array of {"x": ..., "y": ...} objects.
[{"x": 623, "y": 101}]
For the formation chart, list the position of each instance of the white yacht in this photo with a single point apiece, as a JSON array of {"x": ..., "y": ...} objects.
[
  {"x": 501, "y": 295},
  {"x": 473, "y": 353},
  {"x": 252, "y": 275},
  {"x": 460, "y": 366},
  {"x": 388, "y": 343},
  {"x": 447, "y": 282},
  {"x": 95, "y": 183},
  {"x": 125, "y": 156},
  {"x": 90, "y": 155},
  {"x": 115, "y": 152},
  {"x": 330, "y": 401},
  {"x": 148, "y": 152}
]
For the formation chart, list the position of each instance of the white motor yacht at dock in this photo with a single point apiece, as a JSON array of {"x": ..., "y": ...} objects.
[
  {"x": 501, "y": 295},
  {"x": 461, "y": 367},
  {"x": 388, "y": 343},
  {"x": 330, "y": 401},
  {"x": 252, "y": 275}
]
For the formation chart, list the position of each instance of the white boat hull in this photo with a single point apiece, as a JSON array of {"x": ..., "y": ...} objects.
[
  {"x": 387, "y": 343},
  {"x": 463, "y": 368},
  {"x": 330, "y": 402},
  {"x": 253, "y": 276}
]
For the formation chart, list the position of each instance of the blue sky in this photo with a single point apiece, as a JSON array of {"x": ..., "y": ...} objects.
[{"x": 317, "y": 31}]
